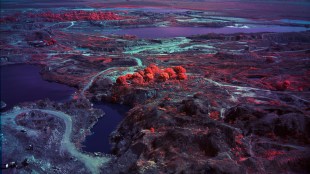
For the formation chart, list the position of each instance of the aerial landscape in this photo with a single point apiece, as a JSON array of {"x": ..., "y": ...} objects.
[{"x": 155, "y": 86}]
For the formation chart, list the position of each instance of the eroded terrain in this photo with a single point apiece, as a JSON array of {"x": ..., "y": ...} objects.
[{"x": 217, "y": 94}]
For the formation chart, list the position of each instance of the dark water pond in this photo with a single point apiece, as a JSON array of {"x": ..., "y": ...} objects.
[
  {"x": 164, "y": 32},
  {"x": 99, "y": 140},
  {"x": 23, "y": 83}
]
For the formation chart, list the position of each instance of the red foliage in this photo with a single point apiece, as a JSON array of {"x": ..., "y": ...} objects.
[
  {"x": 148, "y": 70},
  {"x": 171, "y": 73},
  {"x": 137, "y": 78},
  {"x": 149, "y": 77},
  {"x": 152, "y": 73},
  {"x": 182, "y": 76},
  {"x": 152, "y": 129},
  {"x": 128, "y": 76},
  {"x": 141, "y": 73},
  {"x": 75, "y": 97},
  {"x": 284, "y": 85},
  {"x": 179, "y": 69},
  {"x": 107, "y": 60},
  {"x": 121, "y": 80},
  {"x": 163, "y": 76},
  {"x": 215, "y": 115},
  {"x": 154, "y": 68},
  {"x": 76, "y": 15}
]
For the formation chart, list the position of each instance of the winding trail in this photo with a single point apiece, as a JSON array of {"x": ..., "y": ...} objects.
[
  {"x": 92, "y": 163},
  {"x": 109, "y": 70},
  {"x": 91, "y": 81}
]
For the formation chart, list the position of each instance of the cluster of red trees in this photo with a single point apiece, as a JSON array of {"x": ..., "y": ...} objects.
[
  {"x": 76, "y": 15},
  {"x": 153, "y": 73},
  {"x": 215, "y": 115}
]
